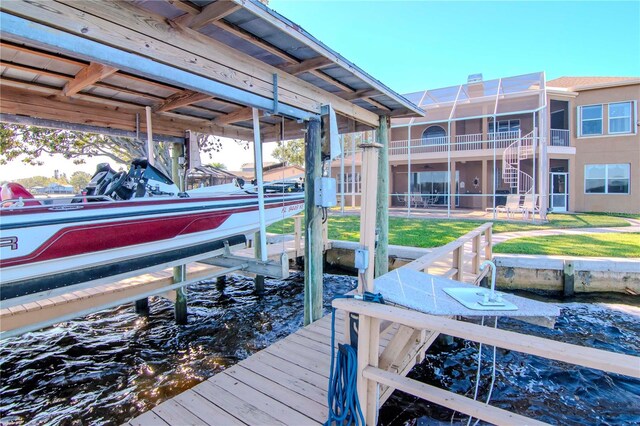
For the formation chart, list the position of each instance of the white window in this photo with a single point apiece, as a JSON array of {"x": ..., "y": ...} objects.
[
  {"x": 590, "y": 120},
  {"x": 504, "y": 126},
  {"x": 620, "y": 117},
  {"x": 351, "y": 185},
  {"x": 606, "y": 178},
  {"x": 434, "y": 135}
]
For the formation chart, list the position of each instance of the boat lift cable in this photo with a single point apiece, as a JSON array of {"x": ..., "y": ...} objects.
[
  {"x": 343, "y": 402},
  {"x": 485, "y": 266}
]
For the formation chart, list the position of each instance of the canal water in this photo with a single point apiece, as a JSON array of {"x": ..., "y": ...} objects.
[{"x": 111, "y": 366}]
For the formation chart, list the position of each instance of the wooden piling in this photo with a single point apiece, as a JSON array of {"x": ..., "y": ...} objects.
[
  {"x": 180, "y": 305},
  {"x": 259, "y": 279},
  {"x": 568, "y": 278},
  {"x": 313, "y": 225},
  {"x": 142, "y": 306},
  {"x": 382, "y": 205}
]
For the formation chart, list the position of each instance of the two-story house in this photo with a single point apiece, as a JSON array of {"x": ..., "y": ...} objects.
[{"x": 571, "y": 144}]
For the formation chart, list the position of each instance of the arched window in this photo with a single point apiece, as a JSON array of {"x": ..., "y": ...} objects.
[{"x": 434, "y": 135}]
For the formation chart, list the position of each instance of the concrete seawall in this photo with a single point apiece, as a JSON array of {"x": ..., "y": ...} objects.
[
  {"x": 592, "y": 274},
  {"x": 523, "y": 272}
]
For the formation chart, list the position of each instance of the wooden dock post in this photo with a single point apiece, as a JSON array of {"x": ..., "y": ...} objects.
[
  {"x": 179, "y": 272},
  {"x": 368, "y": 211},
  {"x": 382, "y": 206},
  {"x": 568, "y": 278},
  {"x": 313, "y": 225},
  {"x": 181, "y": 296},
  {"x": 142, "y": 306},
  {"x": 259, "y": 279},
  {"x": 260, "y": 237},
  {"x": 368, "y": 328}
]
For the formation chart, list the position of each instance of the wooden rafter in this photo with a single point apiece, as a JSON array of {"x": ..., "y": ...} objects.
[
  {"x": 376, "y": 104},
  {"x": 117, "y": 21},
  {"x": 44, "y": 88},
  {"x": 242, "y": 114},
  {"x": 86, "y": 77},
  {"x": 180, "y": 99},
  {"x": 209, "y": 14},
  {"x": 256, "y": 41},
  {"x": 185, "y": 6},
  {"x": 332, "y": 81},
  {"x": 306, "y": 65},
  {"x": 32, "y": 51},
  {"x": 290, "y": 59},
  {"x": 40, "y": 101},
  {"x": 358, "y": 94},
  {"x": 40, "y": 53},
  {"x": 196, "y": 96},
  {"x": 35, "y": 70},
  {"x": 118, "y": 25}
]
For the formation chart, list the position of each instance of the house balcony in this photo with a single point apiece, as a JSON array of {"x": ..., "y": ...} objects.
[
  {"x": 471, "y": 145},
  {"x": 559, "y": 137}
]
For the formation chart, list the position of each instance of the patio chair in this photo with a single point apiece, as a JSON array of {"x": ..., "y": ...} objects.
[
  {"x": 512, "y": 205},
  {"x": 529, "y": 205},
  {"x": 417, "y": 200},
  {"x": 431, "y": 200}
]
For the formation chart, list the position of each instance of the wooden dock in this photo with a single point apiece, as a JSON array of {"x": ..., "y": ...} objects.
[{"x": 286, "y": 383}]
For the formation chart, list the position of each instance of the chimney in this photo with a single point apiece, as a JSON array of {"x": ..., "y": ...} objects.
[{"x": 475, "y": 85}]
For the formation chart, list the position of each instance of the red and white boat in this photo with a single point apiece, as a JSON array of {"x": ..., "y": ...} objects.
[{"x": 123, "y": 222}]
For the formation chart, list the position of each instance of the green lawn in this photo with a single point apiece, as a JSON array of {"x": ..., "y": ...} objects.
[
  {"x": 598, "y": 245},
  {"x": 437, "y": 232}
]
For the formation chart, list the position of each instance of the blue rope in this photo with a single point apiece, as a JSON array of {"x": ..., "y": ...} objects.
[{"x": 344, "y": 405}]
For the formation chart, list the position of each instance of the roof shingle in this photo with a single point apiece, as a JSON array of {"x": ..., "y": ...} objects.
[{"x": 578, "y": 82}]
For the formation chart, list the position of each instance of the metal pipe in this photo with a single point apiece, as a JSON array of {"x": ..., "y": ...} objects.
[
  {"x": 483, "y": 265},
  {"x": 536, "y": 132},
  {"x": 449, "y": 169},
  {"x": 353, "y": 172},
  {"x": 150, "y": 149},
  {"x": 342, "y": 175},
  {"x": 257, "y": 150},
  {"x": 409, "y": 171},
  {"x": 494, "y": 167}
]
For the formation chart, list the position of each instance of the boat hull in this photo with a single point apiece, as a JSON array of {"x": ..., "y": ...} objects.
[{"x": 51, "y": 247}]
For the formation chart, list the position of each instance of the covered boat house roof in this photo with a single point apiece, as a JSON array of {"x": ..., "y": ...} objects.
[{"x": 200, "y": 65}]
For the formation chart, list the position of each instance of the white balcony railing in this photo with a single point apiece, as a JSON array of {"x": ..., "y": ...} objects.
[
  {"x": 502, "y": 139},
  {"x": 462, "y": 143},
  {"x": 560, "y": 137},
  {"x": 469, "y": 142},
  {"x": 419, "y": 146}
]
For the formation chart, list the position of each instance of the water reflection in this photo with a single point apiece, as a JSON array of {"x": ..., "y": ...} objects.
[{"x": 111, "y": 366}]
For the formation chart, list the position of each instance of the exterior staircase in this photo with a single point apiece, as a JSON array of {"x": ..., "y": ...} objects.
[{"x": 519, "y": 150}]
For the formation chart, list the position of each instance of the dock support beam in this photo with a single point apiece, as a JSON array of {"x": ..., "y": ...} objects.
[
  {"x": 260, "y": 239},
  {"x": 368, "y": 212},
  {"x": 382, "y": 205},
  {"x": 568, "y": 278},
  {"x": 313, "y": 225},
  {"x": 257, "y": 250},
  {"x": 179, "y": 272}
]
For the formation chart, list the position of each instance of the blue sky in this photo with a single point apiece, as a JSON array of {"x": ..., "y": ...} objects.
[{"x": 417, "y": 45}]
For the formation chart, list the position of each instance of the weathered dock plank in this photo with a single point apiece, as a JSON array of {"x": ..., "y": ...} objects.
[{"x": 285, "y": 383}]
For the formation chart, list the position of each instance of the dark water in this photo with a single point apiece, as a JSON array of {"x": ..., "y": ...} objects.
[
  {"x": 546, "y": 390},
  {"x": 111, "y": 366}
]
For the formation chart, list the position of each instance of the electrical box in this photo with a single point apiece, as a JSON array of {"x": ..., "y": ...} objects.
[
  {"x": 325, "y": 192},
  {"x": 361, "y": 260}
]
